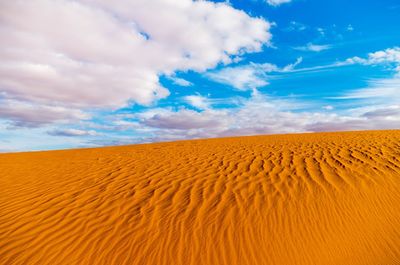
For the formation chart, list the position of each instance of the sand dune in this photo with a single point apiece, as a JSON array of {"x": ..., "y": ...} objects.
[{"x": 328, "y": 198}]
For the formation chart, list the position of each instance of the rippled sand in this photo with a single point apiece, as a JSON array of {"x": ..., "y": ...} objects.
[{"x": 330, "y": 198}]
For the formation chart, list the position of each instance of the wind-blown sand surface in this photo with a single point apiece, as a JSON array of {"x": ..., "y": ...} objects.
[{"x": 328, "y": 198}]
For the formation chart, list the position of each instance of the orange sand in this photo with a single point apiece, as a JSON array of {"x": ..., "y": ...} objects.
[{"x": 330, "y": 198}]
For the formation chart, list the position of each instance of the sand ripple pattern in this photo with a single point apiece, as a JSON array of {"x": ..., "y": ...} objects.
[{"x": 328, "y": 198}]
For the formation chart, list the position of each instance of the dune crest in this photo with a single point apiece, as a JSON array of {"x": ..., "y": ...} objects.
[{"x": 326, "y": 198}]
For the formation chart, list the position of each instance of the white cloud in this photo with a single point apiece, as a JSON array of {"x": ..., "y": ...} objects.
[
  {"x": 387, "y": 112},
  {"x": 291, "y": 67},
  {"x": 245, "y": 77},
  {"x": 278, "y": 2},
  {"x": 379, "y": 91},
  {"x": 29, "y": 139},
  {"x": 263, "y": 115},
  {"x": 350, "y": 28},
  {"x": 184, "y": 120},
  {"x": 99, "y": 54},
  {"x": 251, "y": 76},
  {"x": 197, "y": 101},
  {"x": 321, "y": 31},
  {"x": 180, "y": 81},
  {"x": 313, "y": 48},
  {"x": 73, "y": 132},
  {"x": 388, "y": 56},
  {"x": 296, "y": 26},
  {"x": 25, "y": 114},
  {"x": 328, "y": 107},
  {"x": 257, "y": 115},
  {"x": 384, "y": 90}
]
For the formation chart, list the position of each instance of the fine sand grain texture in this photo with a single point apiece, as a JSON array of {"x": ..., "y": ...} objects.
[{"x": 326, "y": 199}]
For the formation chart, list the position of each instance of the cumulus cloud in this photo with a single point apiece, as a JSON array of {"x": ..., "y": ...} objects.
[
  {"x": 388, "y": 113},
  {"x": 87, "y": 54},
  {"x": 25, "y": 114},
  {"x": 261, "y": 114},
  {"x": 278, "y": 2},
  {"x": 390, "y": 56},
  {"x": 370, "y": 118}
]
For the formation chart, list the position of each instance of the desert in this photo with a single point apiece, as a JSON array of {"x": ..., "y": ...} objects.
[{"x": 319, "y": 198}]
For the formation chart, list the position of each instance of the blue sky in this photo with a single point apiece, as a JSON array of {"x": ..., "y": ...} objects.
[{"x": 93, "y": 73}]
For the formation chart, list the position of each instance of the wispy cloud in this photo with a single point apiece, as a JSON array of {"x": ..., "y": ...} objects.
[
  {"x": 245, "y": 77},
  {"x": 350, "y": 28},
  {"x": 328, "y": 107},
  {"x": 278, "y": 2},
  {"x": 184, "y": 119},
  {"x": 198, "y": 101},
  {"x": 291, "y": 67},
  {"x": 310, "y": 47},
  {"x": 296, "y": 26},
  {"x": 73, "y": 132},
  {"x": 386, "y": 90},
  {"x": 180, "y": 81},
  {"x": 250, "y": 76}
]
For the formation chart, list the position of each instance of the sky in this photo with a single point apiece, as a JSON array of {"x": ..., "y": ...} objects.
[{"x": 89, "y": 73}]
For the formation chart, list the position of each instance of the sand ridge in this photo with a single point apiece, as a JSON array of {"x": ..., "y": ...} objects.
[{"x": 326, "y": 198}]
